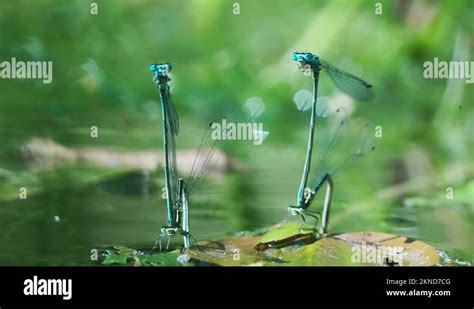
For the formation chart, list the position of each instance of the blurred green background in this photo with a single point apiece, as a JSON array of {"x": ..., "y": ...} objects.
[{"x": 220, "y": 60}]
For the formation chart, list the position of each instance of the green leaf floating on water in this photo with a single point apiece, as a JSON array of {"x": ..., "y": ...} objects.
[
  {"x": 286, "y": 233},
  {"x": 324, "y": 252},
  {"x": 347, "y": 249},
  {"x": 358, "y": 249},
  {"x": 228, "y": 252},
  {"x": 413, "y": 252}
]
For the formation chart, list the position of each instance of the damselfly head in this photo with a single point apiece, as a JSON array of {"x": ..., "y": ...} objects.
[
  {"x": 305, "y": 59},
  {"x": 161, "y": 69}
]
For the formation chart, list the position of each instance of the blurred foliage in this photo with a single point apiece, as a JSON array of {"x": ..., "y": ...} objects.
[{"x": 220, "y": 60}]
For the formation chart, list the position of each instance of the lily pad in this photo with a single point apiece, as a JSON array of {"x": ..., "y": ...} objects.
[
  {"x": 358, "y": 249},
  {"x": 414, "y": 252},
  {"x": 324, "y": 252},
  {"x": 227, "y": 252},
  {"x": 286, "y": 233},
  {"x": 347, "y": 249}
]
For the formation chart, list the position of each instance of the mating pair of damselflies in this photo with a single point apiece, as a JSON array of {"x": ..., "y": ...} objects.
[
  {"x": 178, "y": 190},
  {"x": 329, "y": 162}
]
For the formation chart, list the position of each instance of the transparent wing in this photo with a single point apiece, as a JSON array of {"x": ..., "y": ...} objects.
[
  {"x": 172, "y": 132},
  {"x": 338, "y": 141},
  {"x": 350, "y": 84},
  {"x": 173, "y": 116},
  {"x": 207, "y": 157}
]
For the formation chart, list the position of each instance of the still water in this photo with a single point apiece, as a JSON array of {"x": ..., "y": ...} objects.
[{"x": 62, "y": 223}]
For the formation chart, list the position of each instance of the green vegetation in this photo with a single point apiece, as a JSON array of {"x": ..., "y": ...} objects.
[{"x": 101, "y": 78}]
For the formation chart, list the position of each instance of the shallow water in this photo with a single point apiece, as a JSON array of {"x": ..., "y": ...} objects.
[{"x": 63, "y": 224}]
